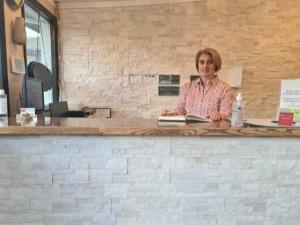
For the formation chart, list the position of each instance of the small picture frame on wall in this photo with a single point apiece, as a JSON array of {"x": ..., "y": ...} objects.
[
  {"x": 168, "y": 85},
  {"x": 173, "y": 79},
  {"x": 168, "y": 91},
  {"x": 17, "y": 65}
]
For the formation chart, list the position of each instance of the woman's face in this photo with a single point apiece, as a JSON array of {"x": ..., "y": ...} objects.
[{"x": 206, "y": 67}]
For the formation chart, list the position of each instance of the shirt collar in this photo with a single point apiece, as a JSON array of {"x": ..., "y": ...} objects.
[{"x": 211, "y": 82}]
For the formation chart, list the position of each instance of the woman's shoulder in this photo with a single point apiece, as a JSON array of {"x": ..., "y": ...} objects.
[
  {"x": 190, "y": 84},
  {"x": 223, "y": 84},
  {"x": 194, "y": 82}
]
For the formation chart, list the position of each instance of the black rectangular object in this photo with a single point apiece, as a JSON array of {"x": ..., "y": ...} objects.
[
  {"x": 168, "y": 91},
  {"x": 169, "y": 79},
  {"x": 34, "y": 95},
  {"x": 61, "y": 109}
]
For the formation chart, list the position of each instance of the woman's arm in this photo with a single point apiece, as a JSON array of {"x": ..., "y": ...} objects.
[
  {"x": 226, "y": 102},
  {"x": 180, "y": 109},
  {"x": 182, "y": 100}
]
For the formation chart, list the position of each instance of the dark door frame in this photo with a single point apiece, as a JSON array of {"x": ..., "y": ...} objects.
[
  {"x": 54, "y": 41},
  {"x": 3, "y": 56}
]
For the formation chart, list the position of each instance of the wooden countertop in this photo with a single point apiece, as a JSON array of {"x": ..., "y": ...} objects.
[{"x": 137, "y": 127}]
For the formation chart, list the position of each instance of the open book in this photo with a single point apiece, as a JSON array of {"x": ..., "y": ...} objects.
[{"x": 182, "y": 118}]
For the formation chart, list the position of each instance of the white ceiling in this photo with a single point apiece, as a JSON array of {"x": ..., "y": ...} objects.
[{"x": 113, "y": 3}]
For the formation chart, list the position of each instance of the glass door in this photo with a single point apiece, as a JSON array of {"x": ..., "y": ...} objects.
[{"x": 41, "y": 44}]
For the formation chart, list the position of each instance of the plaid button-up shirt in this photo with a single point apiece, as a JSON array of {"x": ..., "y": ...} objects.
[{"x": 198, "y": 100}]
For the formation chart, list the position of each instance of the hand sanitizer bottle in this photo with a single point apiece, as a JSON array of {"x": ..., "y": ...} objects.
[
  {"x": 3, "y": 104},
  {"x": 237, "y": 117}
]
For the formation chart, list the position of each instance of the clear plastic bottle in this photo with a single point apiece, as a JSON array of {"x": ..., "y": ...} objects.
[
  {"x": 238, "y": 107},
  {"x": 3, "y": 103}
]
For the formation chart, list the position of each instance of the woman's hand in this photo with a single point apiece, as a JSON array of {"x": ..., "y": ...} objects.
[
  {"x": 215, "y": 116},
  {"x": 169, "y": 113}
]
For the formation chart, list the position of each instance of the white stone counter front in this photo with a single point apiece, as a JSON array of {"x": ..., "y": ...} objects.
[{"x": 135, "y": 180}]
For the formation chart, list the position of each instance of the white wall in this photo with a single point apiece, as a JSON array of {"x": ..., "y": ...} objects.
[{"x": 107, "y": 53}]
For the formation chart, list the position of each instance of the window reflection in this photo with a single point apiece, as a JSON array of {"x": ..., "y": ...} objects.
[{"x": 38, "y": 46}]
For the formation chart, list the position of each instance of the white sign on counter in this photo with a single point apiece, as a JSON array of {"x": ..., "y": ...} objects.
[
  {"x": 290, "y": 94},
  {"x": 290, "y": 97}
]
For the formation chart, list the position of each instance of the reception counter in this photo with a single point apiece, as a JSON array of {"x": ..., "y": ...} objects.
[
  {"x": 138, "y": 172},
  {"x": 138, "y": 127}
]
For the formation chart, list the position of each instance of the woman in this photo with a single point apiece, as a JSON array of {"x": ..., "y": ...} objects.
[{"x": 208, "y": 96}]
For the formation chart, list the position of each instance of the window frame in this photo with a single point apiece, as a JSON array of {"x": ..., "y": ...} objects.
[
  {"x": 3, "y": 56},
  {"x": 40, "y": 9}
]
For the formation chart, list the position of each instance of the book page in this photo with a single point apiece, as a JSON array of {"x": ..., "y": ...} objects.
[
  {"x": 172, "y": 118},
  {"x": 191, "y": 117}
]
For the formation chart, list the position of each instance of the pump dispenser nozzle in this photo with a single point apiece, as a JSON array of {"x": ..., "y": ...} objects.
[{"x": 239, "y": 96}]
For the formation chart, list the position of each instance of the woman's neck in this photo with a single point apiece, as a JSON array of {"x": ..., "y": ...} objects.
[{"x": 205, "y": 80}]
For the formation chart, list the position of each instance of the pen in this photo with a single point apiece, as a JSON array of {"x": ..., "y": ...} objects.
[{"x": 276, "y": 121}]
